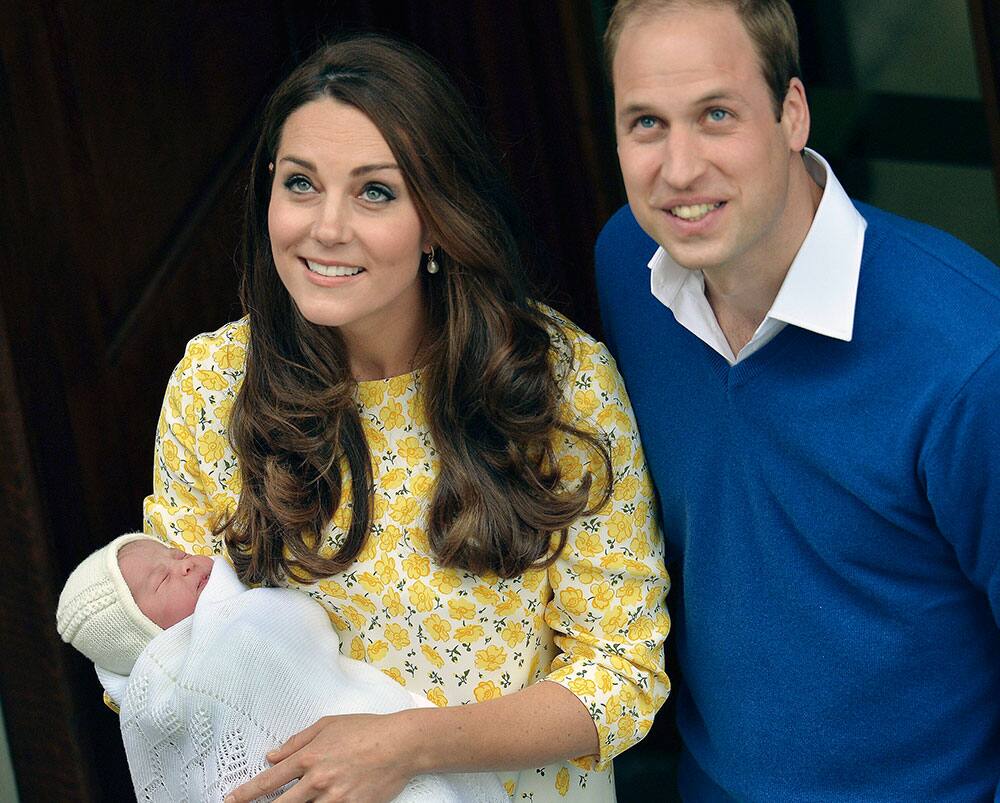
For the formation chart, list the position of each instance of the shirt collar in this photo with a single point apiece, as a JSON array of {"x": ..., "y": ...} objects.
[{"x": 820, "y": 289}]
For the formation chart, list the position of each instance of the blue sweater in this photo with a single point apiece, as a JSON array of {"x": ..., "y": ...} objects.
[{"x": 833, "y": 512}]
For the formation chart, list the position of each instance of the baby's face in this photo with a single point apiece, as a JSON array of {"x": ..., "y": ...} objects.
[{"x": 165, "y": 583}]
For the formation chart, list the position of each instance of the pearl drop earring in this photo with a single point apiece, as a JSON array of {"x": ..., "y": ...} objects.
[{"x": 432, "y": 265}]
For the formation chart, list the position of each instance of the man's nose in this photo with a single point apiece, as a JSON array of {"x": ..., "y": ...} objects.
[{"x": 683, "y": 160}]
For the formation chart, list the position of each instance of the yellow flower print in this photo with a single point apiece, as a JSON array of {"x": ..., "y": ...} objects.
[
  {"x": 174, "y": 399},
  {"x": 197, "y": 351},
  {"x": 399, "y": 384},
  {"x": 613, "y": 622},
  {"x": 355, "y": 617},
  {"x": 377, "y": 650},
  {"x": 446, "y": 580},
  {"x": 571, "y": 467},
  {"x": 370, "y": 582},
  {"x": 184, "y": 496},
  {"x": 377, "y": 443},
  {"x": 364, "y": 603},
  {"x": 391, "y": 415},
  {"x": 417, "y": 566},
  {"x": 397, "y": 635},
  {"x": 396, "y": 675},
  {"x": 368, "y": 551},
  {"x": 630, "y": 592},
  {"x": 390, "y": 538},
  {"x": 419, "y": 540},
  {"x": 621, "y": 451},
  {"x": 190, "y": 529},
  {"x": 640, "y": 546},
  {"x": 604, "y": 595},
  {"x": 605, "y": 378},
  {"x": 573, "y": 600},
  {"x": 241, "y": 333},
  {"x": 588, "y": 544},
  {"x": 604, "y": 680},
  {"x": 626, "y": 489},
  {"x": 491, "y": 659},
  {"x": 183, "y": 435},
  {"x": 393, "y": 479},
  {"x": 338, "y": 622},
  {"x": 342, "y": 517},
  {"x": 170, "y": 456},
  {"x": 511, "y": 602},
  {"x": 619, "y": 527},
  {"x": 422, "y": 485},
  {"x": 385, "y": 569},
  {"x": 641, "y": 514},
  {"x": 486, "y": 690},
  {"x": 562, "y": 781},
  {"x": 586, "y": 402},
  {"x": 379, "y": 507},
  {"x": 582, "y": 687},
  {"x": 510, "y": 787},
  {"x": 641, "y": 628},
  {"x": 230, "y": 357},
  {"x": 234, "y": 483},
  {"x": 586, "y": 572},
  {"x": 626, "y": 727},
  {"x": 637, "y": 567},
  {"x": 437, "y": 697},
  {"x": 371, "y": 394},
  {"x": 440, "y": 629},
  {"x": 461, "y": 609},
  {"x": 212, "y": 447},
  {"x": 486, "y": 595},
  {"x": 212, "y": 380},
  {"x": 393, "y": 603},
  {"x": 432, "y": 655},
  {"x": 513, "y": 634},
  {"x": 411, "y": 451},
  {"x": 421, "y": 597},
  {"x": 357, "y": 649},
  {"x": 404, "y": 510},
  {"x": 332, "y": 589},
  {"x": 532, "y": 578},
  {"x": 187, "y": 383},
  {"x": 469, "y": 633},
  {"x": 613, "y": 561}
]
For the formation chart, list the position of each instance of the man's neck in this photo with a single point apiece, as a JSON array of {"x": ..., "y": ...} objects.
[{"x": 741, "y": 297}]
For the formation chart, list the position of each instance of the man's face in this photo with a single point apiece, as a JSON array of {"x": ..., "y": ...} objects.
[
  {"x": 165, "y": 583},
  {"x": 706, "y": 164}
]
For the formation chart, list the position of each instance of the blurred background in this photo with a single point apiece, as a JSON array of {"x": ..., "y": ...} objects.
[{"x": 126, "y": 130}]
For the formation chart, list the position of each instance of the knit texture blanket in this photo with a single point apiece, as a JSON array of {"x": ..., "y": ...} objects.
[{"x": 209, "y": 697}]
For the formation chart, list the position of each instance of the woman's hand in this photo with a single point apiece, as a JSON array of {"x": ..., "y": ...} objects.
[{"x": 355, "y": 757}]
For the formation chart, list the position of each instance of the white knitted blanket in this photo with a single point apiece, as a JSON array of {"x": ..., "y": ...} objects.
[{"x": 209, "y": 697}]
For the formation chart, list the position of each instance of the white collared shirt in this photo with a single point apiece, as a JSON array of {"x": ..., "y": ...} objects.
[{"x": 818, "y": 292}]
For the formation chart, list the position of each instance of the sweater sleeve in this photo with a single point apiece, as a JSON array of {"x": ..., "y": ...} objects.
[
  {"x": 607, "y": 609},
  {"x": 195, "y": 477},
  {"x": 961, "y": 471}
]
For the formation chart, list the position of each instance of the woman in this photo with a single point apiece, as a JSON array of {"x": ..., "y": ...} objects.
[{"x": 395, "y": 428}]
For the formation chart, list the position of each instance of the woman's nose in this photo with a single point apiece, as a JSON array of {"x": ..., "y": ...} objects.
[{"x": 331, "y": 225}]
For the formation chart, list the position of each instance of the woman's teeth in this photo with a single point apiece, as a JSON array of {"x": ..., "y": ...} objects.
[
  {"x": 333, "y": 270},
  {"x": 694, "y": 212}
]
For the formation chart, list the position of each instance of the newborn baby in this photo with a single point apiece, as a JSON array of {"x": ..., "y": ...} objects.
[{"x": 211, "y": 675}]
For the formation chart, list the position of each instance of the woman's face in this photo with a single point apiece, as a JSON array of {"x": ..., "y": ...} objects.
[{"x": 345, "y": 235}]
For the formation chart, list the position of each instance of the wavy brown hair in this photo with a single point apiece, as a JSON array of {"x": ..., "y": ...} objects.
[{"x": 489, "y": 381}]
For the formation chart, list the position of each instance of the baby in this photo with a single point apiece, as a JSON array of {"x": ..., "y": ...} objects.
[{"x": 211, "y": 676}]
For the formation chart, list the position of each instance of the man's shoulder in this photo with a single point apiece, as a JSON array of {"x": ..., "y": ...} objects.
[
  {"x": 623, "y": 237},
  {"x": 926, "y": 252}
]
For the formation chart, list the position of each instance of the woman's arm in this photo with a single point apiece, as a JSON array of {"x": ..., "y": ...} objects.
[{"x": 370, "y": 757}]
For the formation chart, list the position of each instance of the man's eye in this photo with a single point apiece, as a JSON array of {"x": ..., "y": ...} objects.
[
  {"x": 717, "y": 115},
  {"x": 646, "y": 121}
]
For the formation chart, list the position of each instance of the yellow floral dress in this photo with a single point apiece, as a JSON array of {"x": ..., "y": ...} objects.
[{"x": 594, "y": 621}]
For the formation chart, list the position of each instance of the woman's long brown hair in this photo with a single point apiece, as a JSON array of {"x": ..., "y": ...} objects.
[{"x": 490, "y": 386}]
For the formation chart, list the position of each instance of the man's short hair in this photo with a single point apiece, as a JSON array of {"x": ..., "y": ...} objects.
[{"x": 770, "y": 24}]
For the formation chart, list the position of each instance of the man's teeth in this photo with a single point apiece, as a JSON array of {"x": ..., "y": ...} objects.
[
  {"x": 333, "y": 270},
  {"x": 695, "y": 212}
]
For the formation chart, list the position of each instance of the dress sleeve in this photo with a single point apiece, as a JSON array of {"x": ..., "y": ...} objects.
[
  {"x": 608, "y": 609},
  {"x": 195, "y": 477}
]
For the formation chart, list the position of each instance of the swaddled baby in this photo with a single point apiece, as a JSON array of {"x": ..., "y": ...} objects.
[{"x": 211, "y": 675}]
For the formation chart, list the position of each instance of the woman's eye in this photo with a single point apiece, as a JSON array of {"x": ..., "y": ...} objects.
[
  {"x": 717, "y": 115},
  {"x": 377, "y": 193},
  {"x": 298, "y": 184}
]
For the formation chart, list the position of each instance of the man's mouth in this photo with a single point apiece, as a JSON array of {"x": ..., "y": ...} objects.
[
  {"x": 694, "y": 212},
  {"x": 333, "y": 270}
]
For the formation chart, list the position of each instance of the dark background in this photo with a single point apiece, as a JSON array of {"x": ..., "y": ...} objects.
[{"x": 126, "y": 128}]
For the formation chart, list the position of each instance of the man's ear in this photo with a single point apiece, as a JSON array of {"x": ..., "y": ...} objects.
[{"x": 795, "y": 115}]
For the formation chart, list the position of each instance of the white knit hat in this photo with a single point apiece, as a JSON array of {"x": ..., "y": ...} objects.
[{"x": 97, "y": 613}]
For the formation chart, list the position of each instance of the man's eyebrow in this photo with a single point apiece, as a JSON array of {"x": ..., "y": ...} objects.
[{"x": 715, "y": 96}]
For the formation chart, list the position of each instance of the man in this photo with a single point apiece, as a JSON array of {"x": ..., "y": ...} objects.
[{"x": 817, "y": 385}]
